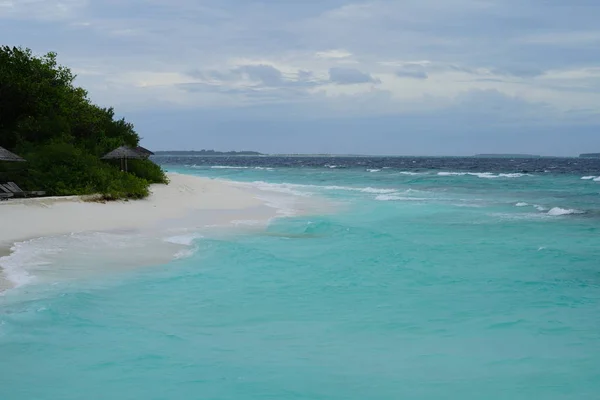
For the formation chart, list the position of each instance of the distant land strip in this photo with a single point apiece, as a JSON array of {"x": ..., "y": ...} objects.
[
  {"x": 206, "y": 153},
  {"x": 507, "y": 156}
]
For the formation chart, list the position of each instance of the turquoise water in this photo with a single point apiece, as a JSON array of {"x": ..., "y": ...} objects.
[{"x": 421, "y": 286}]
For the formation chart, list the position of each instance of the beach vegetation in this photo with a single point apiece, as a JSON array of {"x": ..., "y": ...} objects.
[{"x": 52, "y": 123}]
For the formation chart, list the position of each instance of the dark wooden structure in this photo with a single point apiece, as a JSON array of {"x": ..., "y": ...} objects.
[
  {"x": 144, "y": 151},
  {"x": 124, "y": 153},
  {"x": 6, "y": 155},
  {"x": 11, "y": 189}
]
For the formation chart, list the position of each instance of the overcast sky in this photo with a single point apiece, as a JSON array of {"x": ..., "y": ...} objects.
[{"x": 408, "y": 77}]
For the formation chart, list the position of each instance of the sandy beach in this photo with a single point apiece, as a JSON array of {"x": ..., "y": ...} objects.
[
  {"x": 30, "y": 218},
  {"x": 85, "y": 227}
]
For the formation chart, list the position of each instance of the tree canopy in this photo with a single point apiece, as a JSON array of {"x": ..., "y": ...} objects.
[{"x": 51, "y": 122}]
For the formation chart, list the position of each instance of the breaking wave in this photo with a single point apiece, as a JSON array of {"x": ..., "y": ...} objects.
[
  {"x": 485, "y": 175},
  {"x": 557, "y": 211}
]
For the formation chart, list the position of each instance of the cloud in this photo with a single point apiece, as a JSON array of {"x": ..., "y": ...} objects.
[
  {"x": 333, "y": 54},
  {"x": 331, "y": 58},
  {"x": 414, "y": 71},
  {"x": 350, "y": 76},
  {"x": 44, "y": 10},
  {"x": 265, "y": 74},
  {"x": 565, "y": 38},
  {"x": 253, "y": 76},
  {"x": 521, "y": 71}
]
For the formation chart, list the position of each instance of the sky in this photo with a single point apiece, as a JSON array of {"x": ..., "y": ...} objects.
[{"x": 404, "y": 77}]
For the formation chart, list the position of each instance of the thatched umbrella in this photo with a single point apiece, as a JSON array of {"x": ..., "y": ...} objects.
[
  {"x": 6, "y": 155},
  {"x": 144, "y": 151},
  {"x": 123, "y": 153}
]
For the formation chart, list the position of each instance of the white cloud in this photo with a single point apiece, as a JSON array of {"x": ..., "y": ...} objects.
[
  {"x": 568, "y": 38},
  {"x": 48, "y": 10},
  {"x": 333, "y": 54},
  {"x": 421, "y": 52}
]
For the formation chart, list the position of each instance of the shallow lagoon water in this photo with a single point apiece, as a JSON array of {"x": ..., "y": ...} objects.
[{"x": 416, "y": 284}]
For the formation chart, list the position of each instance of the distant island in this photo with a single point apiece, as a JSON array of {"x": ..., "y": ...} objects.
[
  {"x": 590, "y": 155},
  {"x": 507, "y": 156},
  {"x": 206, "y": 153}
]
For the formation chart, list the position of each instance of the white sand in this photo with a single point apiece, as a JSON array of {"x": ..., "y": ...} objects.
[
  {"x": 186, "y": 194},
  {"x": 57, "y": 239}
]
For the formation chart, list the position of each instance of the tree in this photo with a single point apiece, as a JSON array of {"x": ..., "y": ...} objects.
[{"x": 50, "y": 121}]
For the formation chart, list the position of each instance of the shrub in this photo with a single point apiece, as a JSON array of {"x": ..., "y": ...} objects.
[
  {"x": 62, "y": 169},
  {"x": 147, "y": 170}
]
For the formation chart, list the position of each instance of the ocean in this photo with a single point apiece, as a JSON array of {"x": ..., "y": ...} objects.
[{"x": 427, "y": 278}]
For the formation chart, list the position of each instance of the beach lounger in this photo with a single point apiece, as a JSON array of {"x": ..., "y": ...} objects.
[
  {"x": 16, "y": 191},
  {"x": 5, "y": 196}
]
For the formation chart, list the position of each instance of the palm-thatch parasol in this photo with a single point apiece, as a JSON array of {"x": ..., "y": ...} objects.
[
  {"x": 6, "y": 155},
  {"x": 124, "y": 153},
  {"x": 144, "y": 151}
]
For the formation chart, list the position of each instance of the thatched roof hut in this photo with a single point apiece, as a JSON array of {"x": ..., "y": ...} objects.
[
  {"x": 6, "y": 155},
  {"x": 124, "y": 153},
  {"x": 144, "y": 151}
]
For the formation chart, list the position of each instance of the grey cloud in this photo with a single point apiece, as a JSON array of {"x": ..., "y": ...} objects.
[
  {"x": 501, "y": 70},
  {"x": 414, "y": 71},
  {"x": 518, "y": 71},
  {"x": 265, "y": 74},
  {"x": 269, "y": 76},
  {"x": 350, "y": 76}
]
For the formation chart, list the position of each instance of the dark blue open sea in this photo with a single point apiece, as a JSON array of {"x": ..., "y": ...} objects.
[{"x": 426, "y": 278}]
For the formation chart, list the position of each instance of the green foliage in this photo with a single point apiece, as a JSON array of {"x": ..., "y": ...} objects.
[
  {"x": 147, "y": 170},
  {"x": 62, "y": 169},
  {"x": 53, "y": 124}
]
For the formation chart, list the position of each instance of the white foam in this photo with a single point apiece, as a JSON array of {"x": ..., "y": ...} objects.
[
  {"x": 301, "y": 190},
  {"x": 452, "y": 173},
  {"x": 536, "y": 206},
  {"x": 280, "y": 196},
  {"x": 412, "y": 173},
  {"x": 373, "y": 170},
  {"x": 75, "y": 255},
  {"x": 247, "y": 222},
  {"x": 484, "y": 175},
  {"x": 287, "y": 188},
  {"x": 393, "y": 197},
  {"x": 588, "y": 178},
  {"x": 184, "y": 240},
  {"x": 377, "y": 191},
  {"x": 226, "y": 167},
  {"x": 284, "y": 205},
  {"x": 387, "y": 197},
  {"x": 355, "y": 189},
  {"x": 13, "y": 264},
  {"x": 597, "y": 179},
  {"x": 557, "y": 211}
]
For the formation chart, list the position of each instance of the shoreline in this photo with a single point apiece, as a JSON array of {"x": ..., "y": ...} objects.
[
  {"x": 162, "y": 226},
  {"x": 50, "y": 216}
]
